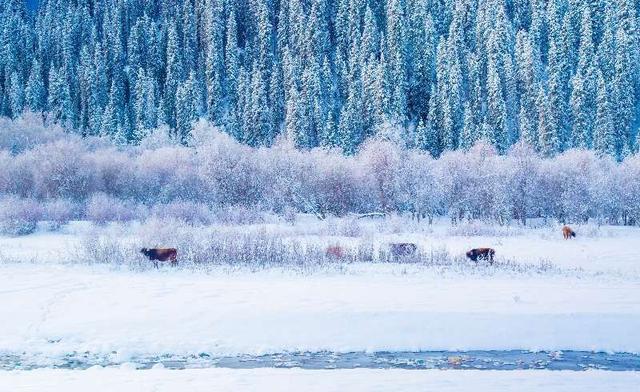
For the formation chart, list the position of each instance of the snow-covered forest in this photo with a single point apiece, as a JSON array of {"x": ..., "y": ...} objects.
[{"x": 436, "y": 75}]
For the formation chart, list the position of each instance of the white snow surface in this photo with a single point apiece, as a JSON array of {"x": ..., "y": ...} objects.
[
  {"x": 124, "y": 379},
  {"x": 61, "y": 309},
  {"x": 51, "y": 309}
]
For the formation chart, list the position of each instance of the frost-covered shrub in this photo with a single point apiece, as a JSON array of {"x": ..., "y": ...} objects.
[
  {"x": 19, "y": 216},
  {"x": 418, "y": 188},
  {"x": 17, "y": 176},
  {"x": 289, "y": 215},
  {"x": 630, "y": 190},
  {"x": 238, "y": 215},
  {"x": 59, "y": 169},
  {"x": 166, "y": 174},
  {"x": 381, "y": 161},
  {"x": 26, "y": 132},
  {"x": 102, "y": 208},
  {"x": 59, "y": 212},
  {"x": 103, "y": 248},
  {"x": 479, "y": 228},
  {"x": 113, "y": 172},
  {"x": 185, "y": 211},
  {"x": 522, "y": 180},
  {"x": 230, "y": 173},
  {"x": 239, "y": 183}
]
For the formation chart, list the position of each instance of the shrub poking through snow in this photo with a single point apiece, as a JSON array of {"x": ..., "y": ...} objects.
[{"x": 237, "y": 247}]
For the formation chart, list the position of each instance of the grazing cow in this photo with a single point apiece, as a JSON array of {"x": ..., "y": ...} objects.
[
  {"x": 161, "y": 254},
  {"x": 481, "y": 254},
  {"x": 567, "y": 232},
  {"x": 403, "y": 249},
  {"x": 335, "y": 252}
]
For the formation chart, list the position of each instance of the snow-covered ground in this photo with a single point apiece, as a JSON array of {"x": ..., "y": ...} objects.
[
  {"x": 52, "y": 308},
  {"x": 125, "y": 380}
]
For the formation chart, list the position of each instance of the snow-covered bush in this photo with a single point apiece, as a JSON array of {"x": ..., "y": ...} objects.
[
  {"x": 59, "y": 212},
  {"x": 26, "y": 132},
  {"x": 630, "y": 190},
  {"x": 239, "y": 183},
  {"x": 19, "y": 216},
  {"x": 102, "y": 208},
  {"x": 237, "y": 215},
  {"x": 479, "y": 228},
  {"x": 166, "y": 174},
  {"x": 60, "y": 170},
  {"x": 113, "y": 172},
  {"x": 101, "y": 248},
  {"x": 185, "y": 211},
  {"x": 381, "y": 160}
]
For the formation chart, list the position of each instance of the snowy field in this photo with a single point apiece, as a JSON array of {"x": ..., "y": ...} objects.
[
  {"x": 57, "y": 308},
  {"x": 126, "y": 380}
]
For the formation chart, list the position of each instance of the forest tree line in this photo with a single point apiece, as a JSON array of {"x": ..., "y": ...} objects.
[{"x": 434, "y": 75}]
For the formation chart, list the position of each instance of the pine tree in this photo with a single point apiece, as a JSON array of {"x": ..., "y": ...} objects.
[
  {"x": 59, "y": 98},
  {"x": 16, "y": 94},
  {"x": 496, "y": 111},
  {"x": 397, "y": 46},
  {"x": 583, "y": 114},
  {"x": 231, "y": 63},
  {"x": 189, "y": 37},
  {"x": 469, "y": 131},
  {"x": 584, "y": 87},
  {"x": 350, "y": 126},
  {"x": 186, "y": 109},
  {"x": 549, "y": 141},
  {"x": 259, "y": 131},
  {"x": 604, "y": 134},
  {"x": 330, "y": 137},
  {"x": 174, "y": 76},
  {"x": 109, "y": 123},
  {"x": 214, "y": 61},
  {"x": 529, "y": 124},
  {"x": 527, "y": 89},
  {"x": 145, "y": 104},
  {"x": 35, "y": 91},
  {"x": 557, "y": 109},
  {"x": 624, "y": 91},
  {"x": 99, "y": 93}
]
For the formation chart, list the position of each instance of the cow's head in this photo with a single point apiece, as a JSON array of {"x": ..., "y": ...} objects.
[
  {"x": 472, "y": 254},
  {"x": 144, "y": 251}
]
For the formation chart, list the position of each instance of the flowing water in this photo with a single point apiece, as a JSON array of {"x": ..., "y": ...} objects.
[{"x": 482, "y": 360}]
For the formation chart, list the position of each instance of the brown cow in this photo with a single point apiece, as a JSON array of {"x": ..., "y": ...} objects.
[
  {"x": 403, "y": 249},
  {"x": 567, "y": 232},
  {"x": 481, "y": 254},
  {"x": 161, "y": 254},
  {"x": 335, "y": 252}
]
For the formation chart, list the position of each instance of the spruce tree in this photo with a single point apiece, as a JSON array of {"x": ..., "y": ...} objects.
[
  {"x": 186, "y": 109},
  {"x": 35, "y": 93},
  {"x": 496, "y": 110},
  {"x": 604, "y": 133}
]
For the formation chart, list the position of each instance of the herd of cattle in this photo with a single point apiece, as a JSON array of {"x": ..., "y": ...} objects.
[{"x": 397, "y": 250}]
